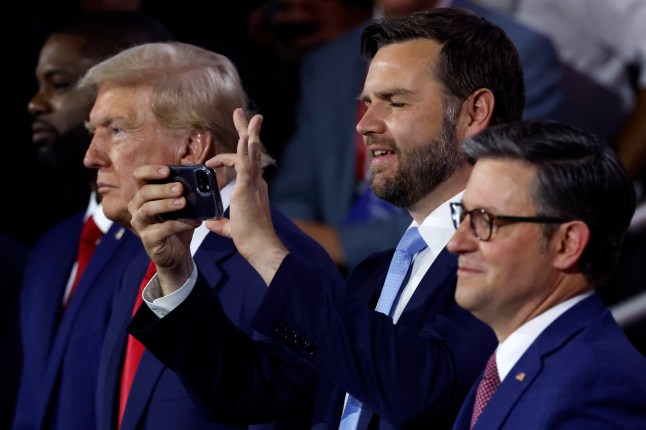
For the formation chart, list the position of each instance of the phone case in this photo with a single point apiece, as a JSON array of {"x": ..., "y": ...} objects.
[{"x": 201, "y": 191}]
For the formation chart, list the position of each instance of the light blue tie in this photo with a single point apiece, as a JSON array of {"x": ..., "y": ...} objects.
[{"x": 354, "y": 417}]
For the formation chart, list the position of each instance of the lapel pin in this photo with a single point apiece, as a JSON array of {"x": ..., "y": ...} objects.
[
  {"x": 118, "y": 234},
  {"x": 520, "y": 377}
]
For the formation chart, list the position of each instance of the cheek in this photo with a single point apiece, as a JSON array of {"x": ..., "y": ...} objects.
[
  {"x": 124, "y": 166},
  {"x": 512, "y": 266},
  {"x": 70, "y": 112}
]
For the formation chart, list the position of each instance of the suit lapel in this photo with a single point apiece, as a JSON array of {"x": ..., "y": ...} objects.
[
  {"x": 104, "y": 252},
  {"x": 52, "y": 277},
  {"x": 530, "y": 364},
  {"x": 436, "y": 281},
  {"x": 148, "y": 374},
  {"x": 115, "y": 343},
  {"x": 47, "y": 284},
  {"x": 212, "y": 251}
]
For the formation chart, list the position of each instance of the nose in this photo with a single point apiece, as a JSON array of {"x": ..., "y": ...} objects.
[
  {"x": 95, "y": 158},
  {"x": 463, "y": 240},
  {"x": 38, "y": 104},
  {"x": 371, "y": 121}
]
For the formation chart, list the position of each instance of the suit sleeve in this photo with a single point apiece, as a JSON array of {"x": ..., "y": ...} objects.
[
  {"x": 233, "y": 379},
  {"x": 410, "y": 374}
]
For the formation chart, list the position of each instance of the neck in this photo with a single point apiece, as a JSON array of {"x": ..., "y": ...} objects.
[{"x": 566, "y": 288}]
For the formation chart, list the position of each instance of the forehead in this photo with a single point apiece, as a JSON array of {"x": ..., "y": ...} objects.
[
  {"x": 64, "y": 52},
  {"x": 404, "y": 64},
  {"x": 503, "y": 186},
  {"x": 114, "y": 102}
]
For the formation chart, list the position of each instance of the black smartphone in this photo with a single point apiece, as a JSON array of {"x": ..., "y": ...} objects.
[{"x": 201, "y": 191}]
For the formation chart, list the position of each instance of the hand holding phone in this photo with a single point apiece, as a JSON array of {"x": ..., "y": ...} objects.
[{"x": 201, "y": 191}]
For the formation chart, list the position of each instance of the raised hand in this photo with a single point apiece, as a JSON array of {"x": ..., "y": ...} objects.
[{"x": 249, "y": 223}]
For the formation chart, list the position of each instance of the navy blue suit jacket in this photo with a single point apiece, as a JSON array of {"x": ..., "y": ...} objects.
[
  {"x": 61, "y": 349},
  {"x": 412, "y": 374},
  {"x": 158, "y": 400},
  {"x": 315, "y": 181},
  {"x": 580, "y": 373}
]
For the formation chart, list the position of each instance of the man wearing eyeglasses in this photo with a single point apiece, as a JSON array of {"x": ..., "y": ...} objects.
[{"x": 538, "y": 230}]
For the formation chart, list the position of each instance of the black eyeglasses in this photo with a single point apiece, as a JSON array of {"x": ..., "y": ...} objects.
[{"x": 482, "y": 221}]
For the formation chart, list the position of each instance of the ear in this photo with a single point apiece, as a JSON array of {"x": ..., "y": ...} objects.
[
  {"x": 572, "y": 239},
  {"x": 476, "y": 112},
  {"x": 198, "y": 147}
]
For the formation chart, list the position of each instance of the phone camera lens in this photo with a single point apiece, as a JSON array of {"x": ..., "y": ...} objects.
[{"x": 202, "y": 181}]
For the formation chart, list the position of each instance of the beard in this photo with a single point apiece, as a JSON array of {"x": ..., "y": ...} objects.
[
  {"x": 63, "y": 158},
  {"x": 421, "y": 169}
]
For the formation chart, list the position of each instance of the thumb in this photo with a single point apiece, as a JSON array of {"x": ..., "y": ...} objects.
[{"x": 220, "y": 226}]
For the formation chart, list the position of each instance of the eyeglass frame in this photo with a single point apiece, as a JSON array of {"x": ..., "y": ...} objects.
[{"x": 538, "y": 219}]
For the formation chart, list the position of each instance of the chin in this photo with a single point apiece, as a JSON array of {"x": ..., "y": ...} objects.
[
  {"x": 115, "y": 214},
  {"x": 466, "y": 294}
]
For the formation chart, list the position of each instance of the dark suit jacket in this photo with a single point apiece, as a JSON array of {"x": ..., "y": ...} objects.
[
  {"x": 413, "y": 374},
  {"x": 61, "y": 349},
  {"x": 158, "y": 400},
  {"x": 580, "y": 373},
  {"x": 13, "y": 255}
]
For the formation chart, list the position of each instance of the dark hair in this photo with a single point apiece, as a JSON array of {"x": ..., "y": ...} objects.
[
  {"x": 475, "y": 54},
  {"x": 579, "y": 177},
  {"x": 109, "y": 32}
]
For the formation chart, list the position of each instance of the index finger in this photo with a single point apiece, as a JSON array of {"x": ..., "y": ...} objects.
[
  {"x": 150, "y": 172},
  {"x": 222, "y": 160}
]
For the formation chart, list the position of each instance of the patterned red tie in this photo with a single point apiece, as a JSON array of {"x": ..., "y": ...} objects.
[
  {"x": 487, "y": 386},
  {"x": 134, "y": 349},
  {"x": 90, "y": 238}
]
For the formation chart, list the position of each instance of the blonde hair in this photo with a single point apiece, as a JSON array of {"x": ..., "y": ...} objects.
[{"x": 191, "y": 88}]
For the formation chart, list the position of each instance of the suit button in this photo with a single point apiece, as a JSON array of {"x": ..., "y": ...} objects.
[{"x": 310, "y": 350}]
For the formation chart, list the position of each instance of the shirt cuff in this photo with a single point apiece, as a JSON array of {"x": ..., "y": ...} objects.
[{"x": 162, "y": 305}]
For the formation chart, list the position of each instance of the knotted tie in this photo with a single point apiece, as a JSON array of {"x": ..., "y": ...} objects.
[
  {"x": 134, "y": 349},
  {"x": 354, "y": 416},
  {"x": 487, "y": 386},
  {"x": 90, "y": 237}
]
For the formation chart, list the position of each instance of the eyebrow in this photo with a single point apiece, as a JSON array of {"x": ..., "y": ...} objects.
[{"x": 386, "y": 94}]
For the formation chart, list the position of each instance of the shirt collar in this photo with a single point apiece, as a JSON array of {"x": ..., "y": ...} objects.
[
  {"x": 437, "y": 228},
  {"x": 512, "y": 348},
  {"x": 95, "y": 210}
]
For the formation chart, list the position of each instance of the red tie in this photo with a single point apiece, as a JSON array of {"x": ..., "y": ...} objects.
[
  {"x": 134, "y": 349},
  {"x": 90, "y": 238},
  {"x": 487, "y": 386}
]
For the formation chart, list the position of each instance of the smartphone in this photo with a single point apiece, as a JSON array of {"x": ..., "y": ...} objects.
[{"x": 201, "y": 191}]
